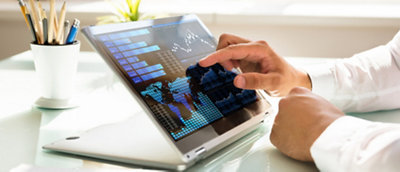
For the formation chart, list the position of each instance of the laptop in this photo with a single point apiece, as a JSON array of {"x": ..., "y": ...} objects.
[{"x": 188, "y": 112}]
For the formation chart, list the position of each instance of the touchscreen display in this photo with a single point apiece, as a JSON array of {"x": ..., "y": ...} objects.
[{"x": 160, "y": 61}]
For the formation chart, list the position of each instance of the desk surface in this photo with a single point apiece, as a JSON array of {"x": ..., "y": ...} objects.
[{"x": 24, "y": 129}]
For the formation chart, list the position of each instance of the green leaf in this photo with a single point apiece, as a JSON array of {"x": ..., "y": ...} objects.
[
  {"x": 124, "y": 11},
  {"x": 130, "y": 5}
]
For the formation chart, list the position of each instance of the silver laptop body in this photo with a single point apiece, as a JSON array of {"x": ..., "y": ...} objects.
[{"x": 188, "y": 113}]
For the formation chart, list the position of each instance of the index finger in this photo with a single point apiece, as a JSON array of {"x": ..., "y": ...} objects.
[
  {"x": 228, "y": 39},
  {"x": 253, "y": 52}
]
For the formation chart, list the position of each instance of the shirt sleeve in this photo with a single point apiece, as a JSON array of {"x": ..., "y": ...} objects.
[
  {"x": 365, "y": 82},
  {"x": 352, "y": 144}
]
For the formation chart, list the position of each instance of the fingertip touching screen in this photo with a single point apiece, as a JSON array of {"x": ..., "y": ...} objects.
[{"x": 160, "y": 62}]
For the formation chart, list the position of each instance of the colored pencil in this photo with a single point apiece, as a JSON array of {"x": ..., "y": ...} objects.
[{"x": 60, "y": 27}]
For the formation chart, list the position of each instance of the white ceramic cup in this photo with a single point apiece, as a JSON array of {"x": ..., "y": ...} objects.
[{"x": 56, "y": 68}]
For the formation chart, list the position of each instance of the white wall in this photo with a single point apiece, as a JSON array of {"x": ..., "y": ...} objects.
[{"x": 312, "y": 36}]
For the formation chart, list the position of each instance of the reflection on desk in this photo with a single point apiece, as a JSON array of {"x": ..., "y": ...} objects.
[{"x": 24, "y": 129}]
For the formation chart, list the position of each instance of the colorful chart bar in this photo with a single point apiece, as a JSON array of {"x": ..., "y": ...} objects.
[
  {"x": 108, "y": 44},
  {"x": 139, "y": 65},
  {"x": 127, "y": 67},
  {"x": 136, "y": 80},
  {"x": 149, "y": 69},
  {"x": 113, "y": 50},
  {"x": 122, "y": 41},
  {"x": 118, "y": 56},
  {"x": 122, "y": 62},
  {"x": 133, "y": 59},
  {"x": 129, "y": 34},
  {"x": 132, "y": 73},
  {"x": 153, "y": 75},
  {"x": 137, "y": 32},
  {"x": 132, "y": 46},
  {"x": 141, "y": 51}
]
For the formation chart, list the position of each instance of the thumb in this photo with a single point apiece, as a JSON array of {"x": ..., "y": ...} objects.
[
  {"x": 299, "y": 90},
  {"x": 254, "y": 81}
]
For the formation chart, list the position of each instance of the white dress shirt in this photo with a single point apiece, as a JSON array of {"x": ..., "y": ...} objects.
[{"x": 366, "y": 82}]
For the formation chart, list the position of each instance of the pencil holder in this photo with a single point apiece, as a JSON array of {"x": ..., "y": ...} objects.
[{"x": 56, "y": 68}]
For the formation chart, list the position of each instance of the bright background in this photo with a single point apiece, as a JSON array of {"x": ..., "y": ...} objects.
[{"x": 319, "y": 28}]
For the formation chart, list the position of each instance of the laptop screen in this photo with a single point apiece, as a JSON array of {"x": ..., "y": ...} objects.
[{"x": 159, "y": 60}]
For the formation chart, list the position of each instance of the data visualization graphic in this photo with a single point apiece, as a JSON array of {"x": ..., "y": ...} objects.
[
  {"x": 191, "y": 45},
  {"x": 126, "y": 52},
  {"x": 197, "y": 111},
  {"x": 160, "y": 62},
  {"x": 217, "y": 84},
  {"x": 189, "y": 39}
]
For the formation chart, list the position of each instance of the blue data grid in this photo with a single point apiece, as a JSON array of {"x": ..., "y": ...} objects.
[
  {"x": 205, "y": 114},
  {"x": 125, "y": 52},
  {"x": 141, "y": 51}
]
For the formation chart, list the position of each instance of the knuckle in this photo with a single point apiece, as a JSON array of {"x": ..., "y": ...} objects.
[
  {"x": 282, "y": 103},
  {"x": 230, "y": 47},
  {"x": 223, "y": 36},
  {"x": 296, "y": 90},
  {"x": 262, "y": 42}
]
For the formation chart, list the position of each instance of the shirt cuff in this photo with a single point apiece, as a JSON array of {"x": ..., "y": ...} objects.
[
  {"x": 322, "y": 80},
  {"x": 329, "y": 146}
]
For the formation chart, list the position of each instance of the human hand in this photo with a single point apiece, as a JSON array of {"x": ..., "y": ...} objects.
[
  {"x": 301, "y": 119},
  {"x": 262, "y": 68}
]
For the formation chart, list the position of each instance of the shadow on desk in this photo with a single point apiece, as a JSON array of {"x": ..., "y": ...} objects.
[
  {"x": 390, "y": 116},
  {"x": 18, "y": 138}
]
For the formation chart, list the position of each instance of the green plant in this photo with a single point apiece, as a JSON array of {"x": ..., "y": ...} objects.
[{"x": 124, "y": 11}]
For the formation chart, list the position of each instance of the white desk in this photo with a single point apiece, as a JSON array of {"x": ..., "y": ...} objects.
[{"x": 24, "y": 129}]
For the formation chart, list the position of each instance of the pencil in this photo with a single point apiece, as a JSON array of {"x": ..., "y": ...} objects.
[
  {"x": 24, "y": 11},
  {"x": 60, "y": 27},
  {"x": 36, "y": 21},
  {"x": 40, "y": 9},
  {"x": 31, "y": 27},
  {"x": 51, "y": 24},
  {"x": 40, "y": 14},
  {"x": 45, "y": 27},
  {"x": 55, "y": 24},
  {"x": 66, "y": 26}
]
